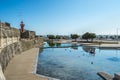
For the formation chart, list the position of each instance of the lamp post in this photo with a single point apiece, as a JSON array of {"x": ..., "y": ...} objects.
[{"x": 117, "y": 34}]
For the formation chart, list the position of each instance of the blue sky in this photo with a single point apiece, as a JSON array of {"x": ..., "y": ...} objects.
[{"x": 63, "y": 16}]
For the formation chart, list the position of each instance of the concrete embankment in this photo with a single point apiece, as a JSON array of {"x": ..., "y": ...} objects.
[
  {"x": 105, "y": 76},
  {"x": 102, "y": 45}
]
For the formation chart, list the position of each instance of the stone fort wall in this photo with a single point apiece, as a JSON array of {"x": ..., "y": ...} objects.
[{"x": 12, "y": 44}]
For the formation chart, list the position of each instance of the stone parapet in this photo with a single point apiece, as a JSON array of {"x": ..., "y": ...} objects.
[{"x": 9, "y": 51}]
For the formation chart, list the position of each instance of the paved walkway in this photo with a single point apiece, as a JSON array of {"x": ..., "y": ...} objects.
[{"x": 22, "y": 66}]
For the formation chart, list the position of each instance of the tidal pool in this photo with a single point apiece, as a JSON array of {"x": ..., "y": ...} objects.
[{"x": 74, "y": 62}]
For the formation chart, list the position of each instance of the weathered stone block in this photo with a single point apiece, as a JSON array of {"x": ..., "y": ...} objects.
[{"x": 116, "y": 76}]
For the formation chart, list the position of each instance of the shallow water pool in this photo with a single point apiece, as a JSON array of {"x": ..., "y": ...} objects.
[{"x": 77, "y": 62}]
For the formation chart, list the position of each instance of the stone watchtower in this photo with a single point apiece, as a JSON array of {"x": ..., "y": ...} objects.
[{"x": 22, "y": 26}]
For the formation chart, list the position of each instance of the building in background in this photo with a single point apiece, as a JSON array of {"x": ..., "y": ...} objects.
[{"x": 26, "y": 34}]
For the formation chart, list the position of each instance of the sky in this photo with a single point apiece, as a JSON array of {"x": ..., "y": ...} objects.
[{"x": 63, "y": 17}]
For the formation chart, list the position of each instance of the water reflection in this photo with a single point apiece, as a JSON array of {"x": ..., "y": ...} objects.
[
  {"x": 51, "y": 44},
  {"x": 58, "y": 44},
  {"x": 67, "y": 64},
  {"x": 74, "y": 46},
  {"x": 89, "y": 49},
  {"x": 114, "y": 59},
  {"x": 40, "y": 50}
]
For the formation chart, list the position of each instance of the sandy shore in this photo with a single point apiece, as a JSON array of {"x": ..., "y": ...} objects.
[{"x": 22, "y": 66}]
